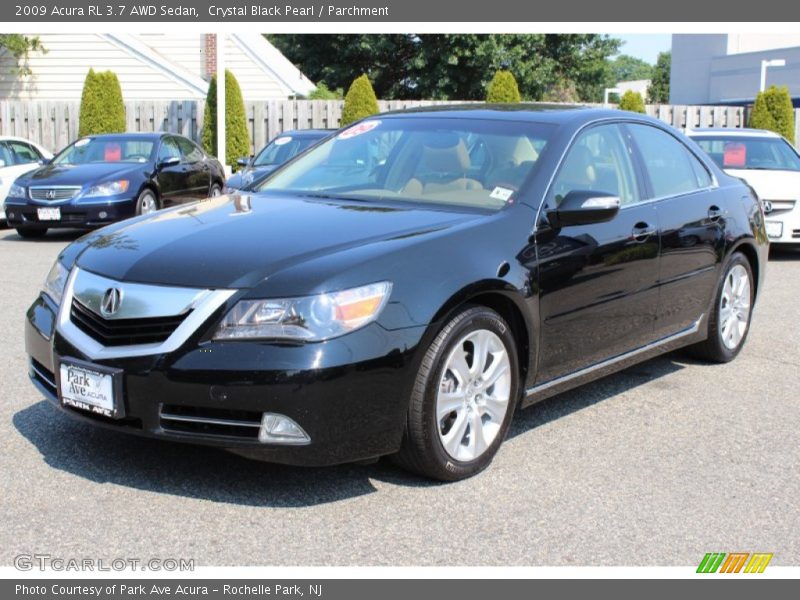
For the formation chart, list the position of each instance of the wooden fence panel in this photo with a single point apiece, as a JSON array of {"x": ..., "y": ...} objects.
[{"x": 55, "y": 124}]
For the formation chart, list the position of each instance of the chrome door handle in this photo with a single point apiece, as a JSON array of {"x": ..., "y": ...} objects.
[{"x": 642, "y": 231}]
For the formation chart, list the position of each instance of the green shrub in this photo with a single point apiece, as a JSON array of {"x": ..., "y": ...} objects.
[
  {"x": 632, "y": 101},
  {"x": 773, "y": 111},
  {"x": 237, "y": 138},
  {"x": 563, "y": 90},
  {"x": 503, "y": 88},
  {"x": 102, "y": 109},
  {"x": 323, "y": 92},
  {"x": 359, "y": 102}
]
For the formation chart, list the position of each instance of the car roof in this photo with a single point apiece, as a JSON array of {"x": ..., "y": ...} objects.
[
  {"x": 522, "y": 111},
  {"x": 307, "y": 132},
  {"x": 731, "y": 132},
  {"x": 148, "y": 135},
  {"x": 16, "y": 138}
]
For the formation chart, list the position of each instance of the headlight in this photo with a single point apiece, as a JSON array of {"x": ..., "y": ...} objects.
[
  {"x": 312, "y": 318},
  {"x": 109, "y": 188},
  {"x": 56, "y": 281},
  {"x": 17, "y": 191}
]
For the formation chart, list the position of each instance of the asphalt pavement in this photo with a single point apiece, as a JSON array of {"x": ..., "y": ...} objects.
[{"x": 656, "y": 465}]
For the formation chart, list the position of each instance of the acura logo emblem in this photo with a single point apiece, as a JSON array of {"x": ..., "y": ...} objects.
[
  {"x": 111, "y": 301},
  {"x": 50, "y": 194},
  {"x": 767, "y": 207}
]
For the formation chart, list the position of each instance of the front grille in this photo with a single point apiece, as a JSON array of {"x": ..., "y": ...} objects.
[
  {"x": 44, "y": 376},
  {"x": 124, "y": 332},
  {"x": 241, "y": 424},
  {"x": 796, "y": 233},
  {"x": 54, "y": 194}
]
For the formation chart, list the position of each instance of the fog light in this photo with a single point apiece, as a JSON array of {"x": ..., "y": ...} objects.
[
  {"x": 278, "y": 429},
  {"x": 103, "y": 214}
]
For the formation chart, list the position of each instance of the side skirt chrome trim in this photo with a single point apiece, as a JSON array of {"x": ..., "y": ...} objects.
[{"x": 692, "y": 329}]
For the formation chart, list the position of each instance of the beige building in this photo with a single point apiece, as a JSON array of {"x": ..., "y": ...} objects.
[{"x": 152, "y": 66}]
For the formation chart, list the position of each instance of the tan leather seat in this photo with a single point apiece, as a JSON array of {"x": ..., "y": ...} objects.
[{"x": 441, "y": 169}]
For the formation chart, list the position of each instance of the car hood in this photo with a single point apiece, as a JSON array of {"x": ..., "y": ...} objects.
[
  {"x": 769, "y": 184},
  {"x": 249, "y": 175},
  {"x": 77, "y": 174},
  {"x": 237, "y": 241}
]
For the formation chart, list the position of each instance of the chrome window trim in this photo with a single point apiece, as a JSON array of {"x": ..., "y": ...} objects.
[
  {"x": 207, "y": 303},
  {"x": 693, "y": 328}
]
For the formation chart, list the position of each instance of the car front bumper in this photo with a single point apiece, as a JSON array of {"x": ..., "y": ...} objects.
[
  {"x": 788, "y": 224},
  {"x": 349, "y": 394},
  {"x": 81, "y": 215}
]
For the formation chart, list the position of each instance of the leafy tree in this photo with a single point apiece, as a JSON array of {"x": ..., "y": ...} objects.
[
  {"x": 629, "y": 68},
  {"x": 773, "y": 111},
  {"x": 632, "y": 101},
  {"x": 102, "y": 109},
  {"x": 453, "y": 66},
  {"x": 563, "y": 91},
  {"x": 502, "y": 88},
  {"x": 658, "y": 92},
  {"x": 237, "y": 138},
  {"x": 322, "y": 92},
  {"x": 20, "y": 47},
  {"x": 359, "y": 102}
]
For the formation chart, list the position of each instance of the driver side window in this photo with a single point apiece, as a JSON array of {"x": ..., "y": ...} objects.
[{"x": 598, "y": 161}]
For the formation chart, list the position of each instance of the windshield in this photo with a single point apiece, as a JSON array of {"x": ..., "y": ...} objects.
[
  {"x": 106, "y": 149},
  {"x": 739, "y": 152},
  {"x": 281, "y": 149},
  {"x": 466, "y": 162}
]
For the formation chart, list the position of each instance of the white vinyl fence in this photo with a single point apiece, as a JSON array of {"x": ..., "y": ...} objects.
[{"x": 55, "y": 124}]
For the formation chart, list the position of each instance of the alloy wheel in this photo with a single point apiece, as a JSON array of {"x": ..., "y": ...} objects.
[
  {"x": 474, "y": 395},
  {"x": 734, "y": 307},
  {"x": 147, "y": 204}
]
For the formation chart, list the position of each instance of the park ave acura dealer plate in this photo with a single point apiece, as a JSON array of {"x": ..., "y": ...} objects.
[{"x": 90, "y": 387}]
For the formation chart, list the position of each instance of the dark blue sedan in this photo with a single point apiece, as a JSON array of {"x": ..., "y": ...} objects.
[
  {"x": 105, "y": 178},
  {"x": 279, "y": 151}
]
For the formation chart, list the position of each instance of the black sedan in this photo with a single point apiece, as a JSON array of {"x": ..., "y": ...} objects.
[
  {"x": 101, "y": 179},
  {"x": 403, "y": 287},
  {"x": 279, "y": 151}
]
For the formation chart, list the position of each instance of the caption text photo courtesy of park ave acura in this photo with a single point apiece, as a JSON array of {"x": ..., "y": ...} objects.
[{"x": 403, "y": 287}]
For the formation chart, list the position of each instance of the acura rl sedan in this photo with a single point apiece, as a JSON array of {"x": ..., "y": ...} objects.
[
  {"x": 403, "y": 288},
  {"x": 279, "y": 151},
  {"x": 768, "y": 163},
  {"x": 101, "y": 179}
]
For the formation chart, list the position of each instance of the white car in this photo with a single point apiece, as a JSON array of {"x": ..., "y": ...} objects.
[
  {"x": 771, "y": 166},
  {"x": 17, "y": 157}
]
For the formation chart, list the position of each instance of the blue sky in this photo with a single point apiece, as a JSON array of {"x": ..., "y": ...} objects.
[{"x": 644, "y": 45}]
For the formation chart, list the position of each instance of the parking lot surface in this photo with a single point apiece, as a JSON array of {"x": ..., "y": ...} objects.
[{"x": 656, "y": 465}]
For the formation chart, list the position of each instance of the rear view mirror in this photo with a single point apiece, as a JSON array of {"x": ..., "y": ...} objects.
[
  {"x": 584, "y": 207},
  {"x": 169, "y": 162}
]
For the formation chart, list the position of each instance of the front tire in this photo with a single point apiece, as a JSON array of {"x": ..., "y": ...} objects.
[
  {"x": 464, "y": 398},
  {"x": 729, "y": 322},
  {"x": 146, "y": 203},
  {"x": 216, "y": 190}
]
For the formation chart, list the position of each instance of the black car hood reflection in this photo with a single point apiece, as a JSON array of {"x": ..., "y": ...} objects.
[
  {"x": 78, "y": 174},
  {"x": 236, "y": 241}
]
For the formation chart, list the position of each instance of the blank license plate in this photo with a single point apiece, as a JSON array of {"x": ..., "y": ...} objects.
[
  {"x": 88, "y": 389},
  {"x": 774, "y": 229},
  {"x": 49, "y": 214}
]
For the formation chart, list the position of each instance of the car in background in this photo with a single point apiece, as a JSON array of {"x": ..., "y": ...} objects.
[
  {"x": 17, "y": 157},
  {"x": 770, "y": 164},
  {"x": 101, "y": 179},
  {"x": 279, "y": 151},
  {"x": 403, "y": 287}
]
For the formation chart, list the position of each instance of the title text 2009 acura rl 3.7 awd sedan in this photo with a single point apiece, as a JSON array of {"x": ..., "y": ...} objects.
[
  {"x": 105, "y": 178},
  {"x": 403, "y": 287}
]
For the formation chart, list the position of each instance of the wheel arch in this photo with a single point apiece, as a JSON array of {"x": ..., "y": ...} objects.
[{"x": 748, "y": 249}]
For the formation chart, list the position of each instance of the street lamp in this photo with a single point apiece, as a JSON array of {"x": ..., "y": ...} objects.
[
  {"x": 608, "y": 91},
  {"x": 765, "y": 64}
]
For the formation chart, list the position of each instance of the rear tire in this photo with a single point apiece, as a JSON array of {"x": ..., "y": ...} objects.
[
  {"x": 464, "y": 397},
  {"x": 729, "y": 321},
  {"x": 31, "y": 233},
  {"x": 216, "y": 190}
]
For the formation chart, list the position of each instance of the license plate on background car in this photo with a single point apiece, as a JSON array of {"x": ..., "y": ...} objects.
[
  {"x": 86, "y": 388},
  {"x": 774, "y": 229},
  {"x": 49, "y": 214}
]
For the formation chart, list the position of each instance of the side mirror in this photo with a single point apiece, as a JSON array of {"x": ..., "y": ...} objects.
[
  {"x": 243, "y": 162},
  {"x": 584, "y": 207},
  {"x": 169, "y": 162}
]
